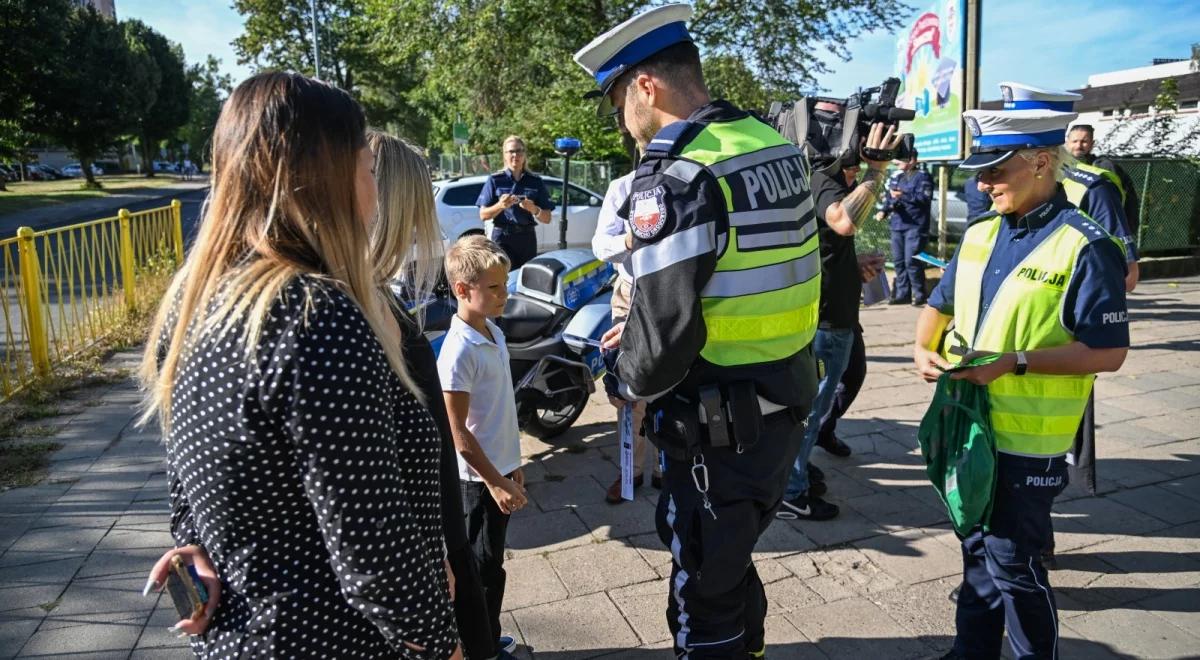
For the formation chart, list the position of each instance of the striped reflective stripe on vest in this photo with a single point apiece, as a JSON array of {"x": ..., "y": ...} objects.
[
  {"x": 734, "y": 283},
  {"x": 681, "y": 246},
  {"x": 771, "y": 235}
]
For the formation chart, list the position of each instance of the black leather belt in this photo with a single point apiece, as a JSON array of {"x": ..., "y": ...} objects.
[{"x": 507, "y": 230}]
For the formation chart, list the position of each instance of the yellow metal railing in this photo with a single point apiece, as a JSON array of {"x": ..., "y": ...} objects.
[{"x": 64, "y": 289}]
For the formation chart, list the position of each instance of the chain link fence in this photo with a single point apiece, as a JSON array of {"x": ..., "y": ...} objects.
[{"x": 1168, "y": 192}]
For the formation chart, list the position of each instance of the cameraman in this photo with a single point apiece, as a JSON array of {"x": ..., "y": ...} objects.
[
  {"x": 909, "y": 203},
  {"x": 842, "y": 210}
]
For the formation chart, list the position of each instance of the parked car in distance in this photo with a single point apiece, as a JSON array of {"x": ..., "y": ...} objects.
[
  {"x": 45, "y": 172},
  {"x": 165, "y": 166},
  {"x": 76, "y": 170},
  {"x": 458, "y": 216}
]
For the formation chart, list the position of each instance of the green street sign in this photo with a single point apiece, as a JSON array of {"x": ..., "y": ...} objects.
[{"x": 461, "y": 134}]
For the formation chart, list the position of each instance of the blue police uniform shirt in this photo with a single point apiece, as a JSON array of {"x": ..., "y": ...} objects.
[
  {"x": 529, "y": 185},
  {"x": 1103, "y": 204},
  {"x": 912, "y": 208},
  {"x": 1095, "y": 297}
]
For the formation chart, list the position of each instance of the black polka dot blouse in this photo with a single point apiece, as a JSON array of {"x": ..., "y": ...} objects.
[{"x": 313, "y": 484}]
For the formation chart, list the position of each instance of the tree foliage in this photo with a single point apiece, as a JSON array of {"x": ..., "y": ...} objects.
[
  {"x": 161, "y": 87},
  {"x": 34, "y": 37},
  {"x": 504, "y": 66},
  {"x": 89, "y": 103},
  {"x": 208, "y": 89}
]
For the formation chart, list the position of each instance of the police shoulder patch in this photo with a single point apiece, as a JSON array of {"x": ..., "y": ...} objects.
[{"x": 648, "y": 212}]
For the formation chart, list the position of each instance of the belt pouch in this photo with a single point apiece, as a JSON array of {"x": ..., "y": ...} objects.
[
  {"x": 714, "y": 416},
  {"x": 744, "y": 414},
  {"x": 673, "y": 425}
]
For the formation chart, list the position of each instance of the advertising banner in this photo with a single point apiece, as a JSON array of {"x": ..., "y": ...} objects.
[{"x": 930, "y": 55}]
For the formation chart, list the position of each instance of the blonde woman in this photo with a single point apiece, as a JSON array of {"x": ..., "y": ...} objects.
[
  {"x": 299, "y": 456},
  {"x": 406, "y": 241}
]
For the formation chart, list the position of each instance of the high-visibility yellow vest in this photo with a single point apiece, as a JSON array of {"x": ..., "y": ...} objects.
[
  {"x": 1034, "y": 414},
  {"x": 1080, "y": 177},
  {"x": 761, "y": 304}
]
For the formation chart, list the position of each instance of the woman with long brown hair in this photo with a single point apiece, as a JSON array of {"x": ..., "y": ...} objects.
[{"x": 299, "y": 455}]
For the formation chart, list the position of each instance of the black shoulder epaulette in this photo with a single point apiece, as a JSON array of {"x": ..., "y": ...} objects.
[
  {"x": 671, "y": 138},
  {"x": 1085, "y": 178},
  {"x": 1081, "y": 222}
]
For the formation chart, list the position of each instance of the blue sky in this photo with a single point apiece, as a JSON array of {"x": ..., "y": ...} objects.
[{"x": 1048, "y": 43}]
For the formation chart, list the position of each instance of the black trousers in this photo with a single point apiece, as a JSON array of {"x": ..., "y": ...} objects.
[
  {"x": 1004, "y": 582},
  {"x": 487, "y": 528},
  {"x": 716, "y": 604},
  {"x": 847, "y": 390},
  {"x": 520, "y": 246}
]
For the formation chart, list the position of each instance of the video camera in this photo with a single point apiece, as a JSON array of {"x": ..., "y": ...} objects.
[{"x": 830, "y": 131}]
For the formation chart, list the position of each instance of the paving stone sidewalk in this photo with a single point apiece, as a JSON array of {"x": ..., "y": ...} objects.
[{"x": 586, "y": 579}]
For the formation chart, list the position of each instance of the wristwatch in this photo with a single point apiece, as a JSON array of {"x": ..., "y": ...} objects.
[{"x": 1022, "y": 364}]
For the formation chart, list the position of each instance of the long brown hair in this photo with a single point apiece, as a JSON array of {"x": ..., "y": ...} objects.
[{"x": 283, "y": 204}]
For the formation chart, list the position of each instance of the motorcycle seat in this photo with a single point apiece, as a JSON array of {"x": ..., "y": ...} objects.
[{"x": 525, "y": 319}]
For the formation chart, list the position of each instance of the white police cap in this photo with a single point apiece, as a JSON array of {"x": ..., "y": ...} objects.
[
  {"x": 614, "y": 52},
  {"x": 1032, "y": 118}
]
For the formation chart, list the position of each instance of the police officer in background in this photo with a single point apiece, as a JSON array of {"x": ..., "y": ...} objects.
[
  {"x": 909, "y": 202},
  {"x": 1080, "y": 141},
  {"x": 724, "y": 308},
  {"x": 1043, "y": 285},
  {"x": 515, "y": 199}
]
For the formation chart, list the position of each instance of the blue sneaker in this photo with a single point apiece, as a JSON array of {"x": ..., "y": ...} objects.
[{"x": 507, "y": 643}]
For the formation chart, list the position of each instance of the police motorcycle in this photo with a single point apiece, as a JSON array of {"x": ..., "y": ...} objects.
[{"x": 558, "y": 308}]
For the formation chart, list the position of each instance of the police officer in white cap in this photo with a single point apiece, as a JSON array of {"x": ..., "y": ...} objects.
[
  {"x": 1040, "y": 283},
  {"x": 723, "y": 312}
]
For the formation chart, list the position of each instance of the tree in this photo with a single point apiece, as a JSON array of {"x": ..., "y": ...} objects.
[
  {"x": 29, "y": 31},
  {"x": 485, "y": 60},
  {"x": 278, "y": 35},
  {"x": 729, "y": 78},
  {"x": 208, "y": 89},
  {"x": 89, "y": 101},
  {"x": 162, "y": 88}
]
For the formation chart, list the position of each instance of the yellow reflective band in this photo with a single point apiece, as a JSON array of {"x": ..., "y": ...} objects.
[
  {"x": 1041, "y": 386},
  {"x": 581, "y": 271}
]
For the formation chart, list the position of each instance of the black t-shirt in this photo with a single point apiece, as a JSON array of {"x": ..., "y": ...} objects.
[{"x": 841, "y": 285}]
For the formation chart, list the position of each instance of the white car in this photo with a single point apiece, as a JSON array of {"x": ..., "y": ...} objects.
[
  {"x": 458, "y": 216},
  {"x": 75, "y": 169}
]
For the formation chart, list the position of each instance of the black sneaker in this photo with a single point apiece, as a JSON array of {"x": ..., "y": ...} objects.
[
  {"x": 815, "y": 474},
  {"x": 817, "y": 488},
  {"x": 806, "y": 507},
  {"x": 897, "y": 301},
  {"x": 834, "y": 446},
  {"x": 954, "y": 594}
]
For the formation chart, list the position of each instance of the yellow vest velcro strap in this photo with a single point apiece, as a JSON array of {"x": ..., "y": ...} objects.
[
  {"x": 757, "y": 328},
  {"x": 752, "y": 159},
  {"x": 735, "y": 283},
  {"x": 771, "y": 216},
  {"x": 674, "y": 248}
]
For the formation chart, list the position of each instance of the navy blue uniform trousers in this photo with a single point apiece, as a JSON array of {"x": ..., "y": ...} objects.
[
  {"x": 1004, "y": 582},
  {"x": 908, "y": 242},
  {"x": 716, "y": 604}
]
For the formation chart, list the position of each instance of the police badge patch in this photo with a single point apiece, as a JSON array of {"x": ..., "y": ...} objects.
[{"x": 648, "y": 212}]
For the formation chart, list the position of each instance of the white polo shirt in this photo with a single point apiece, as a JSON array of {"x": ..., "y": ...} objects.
[{"x": 469, "y": 362}]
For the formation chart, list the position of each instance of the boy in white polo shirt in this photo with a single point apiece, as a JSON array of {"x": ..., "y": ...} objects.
[{"x": 477, "y": 386}]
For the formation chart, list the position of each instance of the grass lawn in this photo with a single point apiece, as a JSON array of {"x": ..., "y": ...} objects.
[{"x": 23, "y": 196}]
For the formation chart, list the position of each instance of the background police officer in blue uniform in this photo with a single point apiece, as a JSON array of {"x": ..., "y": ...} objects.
[
  {"x": 515, "y": 199},
  {"x": 1016, "y": 155},
  {"x": 714, "y": 182},
  {"x": 909, "y": 200}
]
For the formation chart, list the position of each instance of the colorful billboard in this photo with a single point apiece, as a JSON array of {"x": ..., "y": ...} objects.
[{"x": 930, "y": 53}]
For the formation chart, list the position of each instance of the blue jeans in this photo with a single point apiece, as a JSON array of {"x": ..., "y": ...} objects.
[
  {"x": 832, "y": 349},
  {"x": 907, "y": 242}
]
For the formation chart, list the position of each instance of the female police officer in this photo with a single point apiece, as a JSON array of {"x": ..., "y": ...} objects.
[
  {"x": 1042, "y": 284},
  {"x": 514, "y": 199}
]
